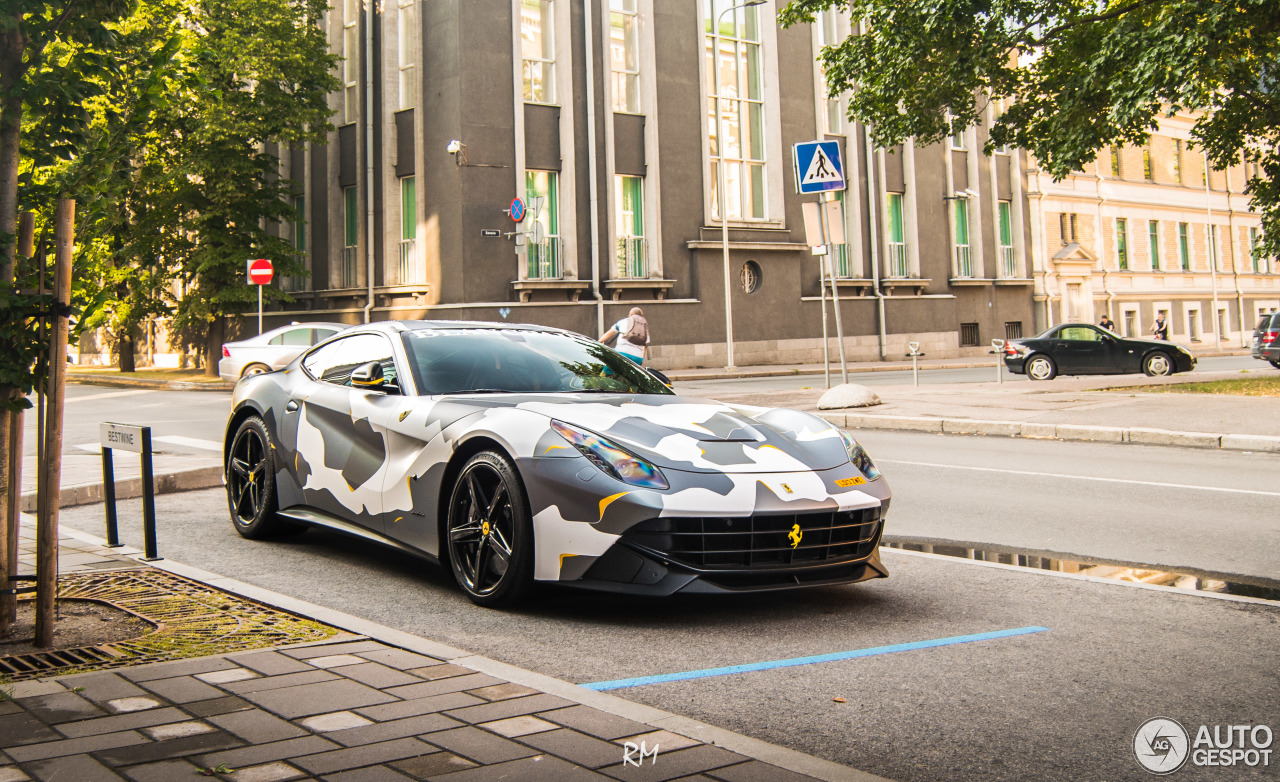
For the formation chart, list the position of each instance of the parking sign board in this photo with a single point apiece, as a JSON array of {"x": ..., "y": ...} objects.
[{"x": 818, "y": 166}]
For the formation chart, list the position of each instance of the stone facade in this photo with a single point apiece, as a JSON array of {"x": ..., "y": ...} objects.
[{"x": 1136, "y": 234}]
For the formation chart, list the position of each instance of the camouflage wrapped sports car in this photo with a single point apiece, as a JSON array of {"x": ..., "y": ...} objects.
[{"x": 519, "y": 453}]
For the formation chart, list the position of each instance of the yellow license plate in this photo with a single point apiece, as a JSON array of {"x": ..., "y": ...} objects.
[{"x": 844, "y": 482}]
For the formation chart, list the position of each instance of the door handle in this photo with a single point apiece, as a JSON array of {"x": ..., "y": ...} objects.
[{"x": 292, "y": 407}]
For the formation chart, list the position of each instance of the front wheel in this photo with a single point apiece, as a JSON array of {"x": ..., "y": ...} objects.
[
  {"x": 1158, "y": 365},
  {"x": 490, "y": 534},
  {"x": 1041, "y": 368},
  {"x": 251, "y": 481}
]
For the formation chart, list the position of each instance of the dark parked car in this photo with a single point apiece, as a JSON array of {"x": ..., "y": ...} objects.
[
  {"x": 1266, "y": 339},
  {"x": 1085, "y": 349}
]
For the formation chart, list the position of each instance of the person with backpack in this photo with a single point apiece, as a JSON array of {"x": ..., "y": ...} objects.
[{"x": 632, "y": 333}]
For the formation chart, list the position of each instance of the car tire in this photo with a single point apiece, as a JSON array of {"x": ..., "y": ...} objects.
[
  {"x": 251, "y": 482},
  {"x": 1041, "y": 367},
  {"x": 489, "y": 532},
  {"x": 1157, "y": 364},
  {"x": 255, "y": 369}
]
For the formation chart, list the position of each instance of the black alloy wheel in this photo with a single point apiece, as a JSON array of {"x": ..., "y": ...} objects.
[
  {"x": 251, "y": 481},
  {"x": 490, "y": 535}
]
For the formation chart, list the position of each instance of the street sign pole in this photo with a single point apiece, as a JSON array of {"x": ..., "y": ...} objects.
[
  {"x": 828, "y": 198},
  {"x": 259, "y": 309},
  {"x": 260, "y": 272}
]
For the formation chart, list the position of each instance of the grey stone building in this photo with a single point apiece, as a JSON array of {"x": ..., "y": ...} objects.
[{"x": 614, "y": 117}]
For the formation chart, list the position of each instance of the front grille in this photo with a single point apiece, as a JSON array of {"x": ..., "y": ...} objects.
[{"x": 760, "y": 542}]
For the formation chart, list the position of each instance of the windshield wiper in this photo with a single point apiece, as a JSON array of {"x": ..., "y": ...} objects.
[{"x": 485, "y": 391}]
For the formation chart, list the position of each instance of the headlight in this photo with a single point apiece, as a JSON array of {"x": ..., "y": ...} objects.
[
  {"x": 859, "y": 456},
  {"x": 612, "y": 459}
]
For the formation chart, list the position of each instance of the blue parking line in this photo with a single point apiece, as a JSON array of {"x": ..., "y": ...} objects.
[{"x": 639, "y": 681}]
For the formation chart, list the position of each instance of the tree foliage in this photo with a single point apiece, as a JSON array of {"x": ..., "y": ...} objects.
[
  {"x": 1074, "y": 77},
  {"x": 165, "y": 126}
]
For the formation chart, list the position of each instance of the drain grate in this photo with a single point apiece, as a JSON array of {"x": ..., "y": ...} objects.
[
  {"x": 193, "y": 620},
  {"x": 27, "y": 665}
]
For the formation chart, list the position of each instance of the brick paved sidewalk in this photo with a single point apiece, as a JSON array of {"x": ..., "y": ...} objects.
[{"x": 358, "y": 710}]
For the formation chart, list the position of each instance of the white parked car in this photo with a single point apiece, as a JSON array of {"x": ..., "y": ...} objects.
[{"x": 272, "y": 350}]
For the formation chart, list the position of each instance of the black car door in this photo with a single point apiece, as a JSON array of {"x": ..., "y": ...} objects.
[
  {"x": 341, "y": 447},
  {"x": 1084, "y": 350}
]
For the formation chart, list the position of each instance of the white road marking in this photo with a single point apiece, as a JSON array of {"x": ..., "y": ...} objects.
[
  {"x": 109, "y": 395},
  {"x": 190, "y": 442},
  {"x": 1155, "y": 484}
]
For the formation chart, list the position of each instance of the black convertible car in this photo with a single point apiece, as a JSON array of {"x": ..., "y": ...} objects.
[{"x": 1085, "y": 349}]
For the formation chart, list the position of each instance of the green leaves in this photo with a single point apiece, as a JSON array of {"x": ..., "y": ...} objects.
[{"x": 1077, "y": 76}]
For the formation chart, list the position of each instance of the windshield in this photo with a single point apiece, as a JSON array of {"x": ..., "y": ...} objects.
[{"x": 519, "y": 361}]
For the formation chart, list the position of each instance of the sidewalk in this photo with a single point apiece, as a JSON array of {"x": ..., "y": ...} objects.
[{"x": 379, "y": 706}]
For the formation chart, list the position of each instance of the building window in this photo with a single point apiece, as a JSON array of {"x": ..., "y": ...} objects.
[
  {"x": 1115, "y": 162},
  {"x": 1008, "y": 261},
  {"x": 298, "y": 240},
  {"x": 350, "y": 59},
  {"x": 957, "y": 138},
  {"x": 1013, "y": 329},
  {"x": 1255, "y": 252},
  {"x": 1177, "y": 160},
  {"x": 624, "y": 55},
  {"x": 1147, "y": 174},
  {"x": 537, "y": 50},
  {"x": 735, "y": 89},
  {"x": 407, "y": 29},
  {"x": 544, "y": 251},
  {"x": 751, "y": 277},
  {"x": 1122, "y": 243},
  {"x": 898, "y": 266},
  {"x": 827, "y": 36},
  {"x": 1184, "y": 247},
  {"x": 408, "y": 261},
  {"x": 351, "y": 236},
  {"x": 1153, "y": 237},
  {"x": 964, "y": 262},
  {"x": 1067, "y": 227},
  {"x": 969, "y": 335},
  {"x": 632, "y": 249},
  {"x": 1211, "y": 240}
]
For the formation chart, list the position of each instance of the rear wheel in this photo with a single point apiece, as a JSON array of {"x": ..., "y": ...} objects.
[
  {"x": 1041, "y": 368},
  {"x": 1158, "y": 365},
  {"x": 251, "y": 482},
  {"x": 1275, "y": 363},
  {"x": 255, "y": 369},
  {"x": 490, "y": 534}
]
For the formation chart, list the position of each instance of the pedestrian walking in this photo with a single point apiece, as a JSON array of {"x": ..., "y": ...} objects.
[
  {"x": 632, "y": 333},
  {"x": 1107, "y": 323},
  {"x": 1160, "y": 329}
]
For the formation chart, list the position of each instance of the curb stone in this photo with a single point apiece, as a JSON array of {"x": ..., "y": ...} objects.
[
  {"x": 765, "y": 752},
  {"x": 130, "y": 488},
  {"x": 1107, "y": 434}
]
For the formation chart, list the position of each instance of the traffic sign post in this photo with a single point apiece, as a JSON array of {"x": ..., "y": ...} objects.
[
  {"x": 129, "y": 437},
  {"x": 260, "y": 273}
]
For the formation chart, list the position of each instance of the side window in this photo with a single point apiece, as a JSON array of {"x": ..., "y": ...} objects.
[
  {"x": 334, "y": 362},
  {"x": 296, "y": 338},
  {"x": 1080, "y": 334},
  {"x": 320, "y": 335}
]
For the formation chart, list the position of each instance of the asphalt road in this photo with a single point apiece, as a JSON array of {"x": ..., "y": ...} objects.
[
  {"x": 899, "y": 377},
  {"x": 1180, "y": 508}
]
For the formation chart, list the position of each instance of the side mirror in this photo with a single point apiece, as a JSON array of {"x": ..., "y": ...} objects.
[
  {"x": 661, "y": 377},
  {"x": 369, "y": 377}
]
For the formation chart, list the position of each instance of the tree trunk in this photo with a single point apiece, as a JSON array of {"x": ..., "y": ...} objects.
[
  {"x": 213, "y": 346},
  {"x": 11, "y": 68},
  {"x": 124, "y": 352}
]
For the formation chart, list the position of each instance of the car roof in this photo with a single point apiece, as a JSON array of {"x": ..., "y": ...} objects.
[{"x": 401, "y": 326}]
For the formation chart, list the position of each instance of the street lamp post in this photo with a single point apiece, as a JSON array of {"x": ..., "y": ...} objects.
[{"x": 724, "y": 195}]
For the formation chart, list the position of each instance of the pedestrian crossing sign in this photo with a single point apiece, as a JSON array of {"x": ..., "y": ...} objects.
[{"x": 818, "y": 166}]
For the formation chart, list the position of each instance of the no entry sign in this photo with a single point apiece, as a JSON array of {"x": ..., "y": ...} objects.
[{"x": 260, "y": 271}]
